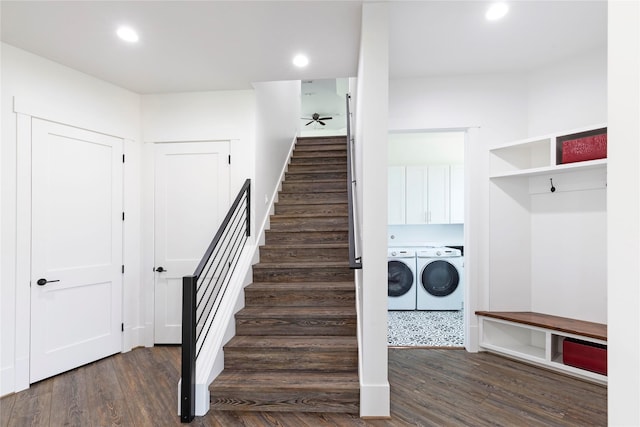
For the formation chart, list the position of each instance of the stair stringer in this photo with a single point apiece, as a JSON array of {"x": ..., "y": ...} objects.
[{"x": 211, "y": 359}]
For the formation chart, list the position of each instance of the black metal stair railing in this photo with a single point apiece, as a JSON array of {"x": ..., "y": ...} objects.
[
  {"x": 355, "y": 261},
  {"x": 202, "y": 292}
]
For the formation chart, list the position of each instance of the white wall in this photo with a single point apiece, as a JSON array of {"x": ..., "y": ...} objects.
[
  {"x": 48, "y": 90},
  {"x": 277, "y": 124},
  {"x": 417, "y": 235},
  {"x": 623, "y": 204},
  {"x": 426, "y": 148},
  {"x": 568, "y": 94},
  {"x": 371, "y": 167},
  {"x": 569, "y": 253}
]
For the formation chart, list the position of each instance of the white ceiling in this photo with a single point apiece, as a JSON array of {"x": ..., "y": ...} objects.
[{"x": 218, "y": 45}]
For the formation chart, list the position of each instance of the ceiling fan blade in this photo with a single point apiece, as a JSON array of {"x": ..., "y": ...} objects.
[
  {"x": 321, "y": 122},
  {"x": 325, "y": 118},
  {"x": 309, "y": 123}
]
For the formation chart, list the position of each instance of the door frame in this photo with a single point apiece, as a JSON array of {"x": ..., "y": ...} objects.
[{"x": 26, "y": 110}]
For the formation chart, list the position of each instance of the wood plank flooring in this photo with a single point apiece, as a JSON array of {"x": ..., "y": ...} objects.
[{"x": 428, "y": 388}]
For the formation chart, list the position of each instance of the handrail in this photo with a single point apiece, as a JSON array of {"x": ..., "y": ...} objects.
[
  {"x": 245, "y": 187},
  {"x": 355, "y": 262},
  {"x": 202, "y": 292}
]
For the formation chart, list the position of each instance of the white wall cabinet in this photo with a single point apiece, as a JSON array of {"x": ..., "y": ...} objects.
[
  {"x": 396, "y": 195},
  {"x": 426, "y": 194}
]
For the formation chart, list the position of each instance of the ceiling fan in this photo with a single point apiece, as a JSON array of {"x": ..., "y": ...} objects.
[{"x": 315, "y": 117}]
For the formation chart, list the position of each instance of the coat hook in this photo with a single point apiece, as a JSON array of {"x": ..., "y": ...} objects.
[{"x": 553, "y": 189}]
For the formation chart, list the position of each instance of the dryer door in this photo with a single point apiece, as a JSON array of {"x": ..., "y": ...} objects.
[
  {"x": 400, "y": 278},
  {"x": 440, "y": 278}
]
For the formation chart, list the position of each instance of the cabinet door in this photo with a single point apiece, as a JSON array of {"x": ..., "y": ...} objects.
[
  {"x": 416, "y": 195},
  {"x": 457, "y": 194},
  {"x": 396, "y": 195},
  {"x": 438, "y": 194}
]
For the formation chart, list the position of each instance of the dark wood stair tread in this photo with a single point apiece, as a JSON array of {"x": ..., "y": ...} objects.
[
  {"x": 304, "y": 264},
  {"x": 286, "y": 380},
  {"x": 303, "y": 288},
  {"x": 304, "y": 191},
  {"x": 304, "y": 245},
  {"x": 333, "y": 343},
  {"x": 303, "y": 205},
  {"x": 311, "y": 286},
  {"x": 296, "y": 312}
]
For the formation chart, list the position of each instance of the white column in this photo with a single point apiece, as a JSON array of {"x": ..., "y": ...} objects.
[
  {"x": 623, "y": 207},
  {"x": 623, "y": 211},
  {"x": 371, "y": 146}
]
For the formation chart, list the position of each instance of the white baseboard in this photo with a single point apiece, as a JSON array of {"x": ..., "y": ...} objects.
[
  {"x": 472, "y": 340},
  {"x": 147, "y": 335},
  {"x": 375, "y": 400},
  {"x": 133, "y": 337},
  {"x": 7, "y": 376}
]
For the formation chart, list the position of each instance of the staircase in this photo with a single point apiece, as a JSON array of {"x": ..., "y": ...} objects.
[{"x": 295, "y": 347}]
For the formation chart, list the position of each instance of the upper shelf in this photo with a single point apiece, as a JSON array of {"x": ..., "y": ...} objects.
[{"x": 541, "y": 155}]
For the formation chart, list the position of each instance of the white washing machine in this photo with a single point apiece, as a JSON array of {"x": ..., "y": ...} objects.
[
  {"x": 402, "y": 279},
  {"x": 440, "y": 279}
]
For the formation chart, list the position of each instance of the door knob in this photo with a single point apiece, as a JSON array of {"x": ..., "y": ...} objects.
[
  {"x": 160, "y": 269},
  {"x": 42, "y": 282}
]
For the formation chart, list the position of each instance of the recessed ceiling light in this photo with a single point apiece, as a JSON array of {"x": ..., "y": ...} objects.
[
  {"x": 128, "y": 34},
  {"x": 300, "y": 61},
  {"x": 497, "y": 11}
]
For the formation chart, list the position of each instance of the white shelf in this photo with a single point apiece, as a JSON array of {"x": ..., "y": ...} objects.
[
  {"x": 536, "y": 156},
  {"x": 532, "y": 344},
  {"x": 526, "y": 352},
  {"x": 546, "y": 170}
]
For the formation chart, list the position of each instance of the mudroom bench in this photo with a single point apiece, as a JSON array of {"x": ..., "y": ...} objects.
[{"x": 571, "y": 346}]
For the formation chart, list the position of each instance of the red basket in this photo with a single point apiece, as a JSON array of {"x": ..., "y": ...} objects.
[
  {"x": 585, "y": 355},
  {"x": 585, "y": 148}
]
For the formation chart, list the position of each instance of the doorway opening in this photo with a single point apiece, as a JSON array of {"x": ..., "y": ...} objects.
[{"x": 425, "y": 239}]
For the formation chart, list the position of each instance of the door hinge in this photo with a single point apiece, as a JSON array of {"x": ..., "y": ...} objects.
[
  {"x": 123, "y": 216},
  {"x": 123, "y": 158},
  {"x": 122, "y": 268},
  {"x": 229, "y": 158},
  {"x": 122, "y": 327}
]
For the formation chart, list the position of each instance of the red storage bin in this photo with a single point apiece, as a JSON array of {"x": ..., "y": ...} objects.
[
  {"x": 585, "y": 148},
  {"x": 585, "y": 355}
]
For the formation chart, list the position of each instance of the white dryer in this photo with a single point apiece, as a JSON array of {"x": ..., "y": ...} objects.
[
  {"x": 402, "y": 279},
  {"x": 440, "y": 279}
]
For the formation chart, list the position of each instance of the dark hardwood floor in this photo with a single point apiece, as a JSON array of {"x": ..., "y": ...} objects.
[{"x": 428, "y": 388}]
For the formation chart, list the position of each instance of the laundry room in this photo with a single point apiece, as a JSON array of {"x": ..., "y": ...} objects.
[{"x": 425, "y": 238}]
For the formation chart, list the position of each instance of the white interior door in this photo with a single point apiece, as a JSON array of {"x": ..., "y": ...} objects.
[
  {"x": 191, "y": 200},
  {"x": 76, "y": 278}
]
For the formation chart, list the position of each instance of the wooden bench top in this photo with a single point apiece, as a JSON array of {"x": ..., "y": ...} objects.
[{"x": 556, "y": 323}]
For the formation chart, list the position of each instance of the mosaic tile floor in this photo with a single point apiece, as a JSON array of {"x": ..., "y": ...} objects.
[{"x": 425, "y": 328}]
